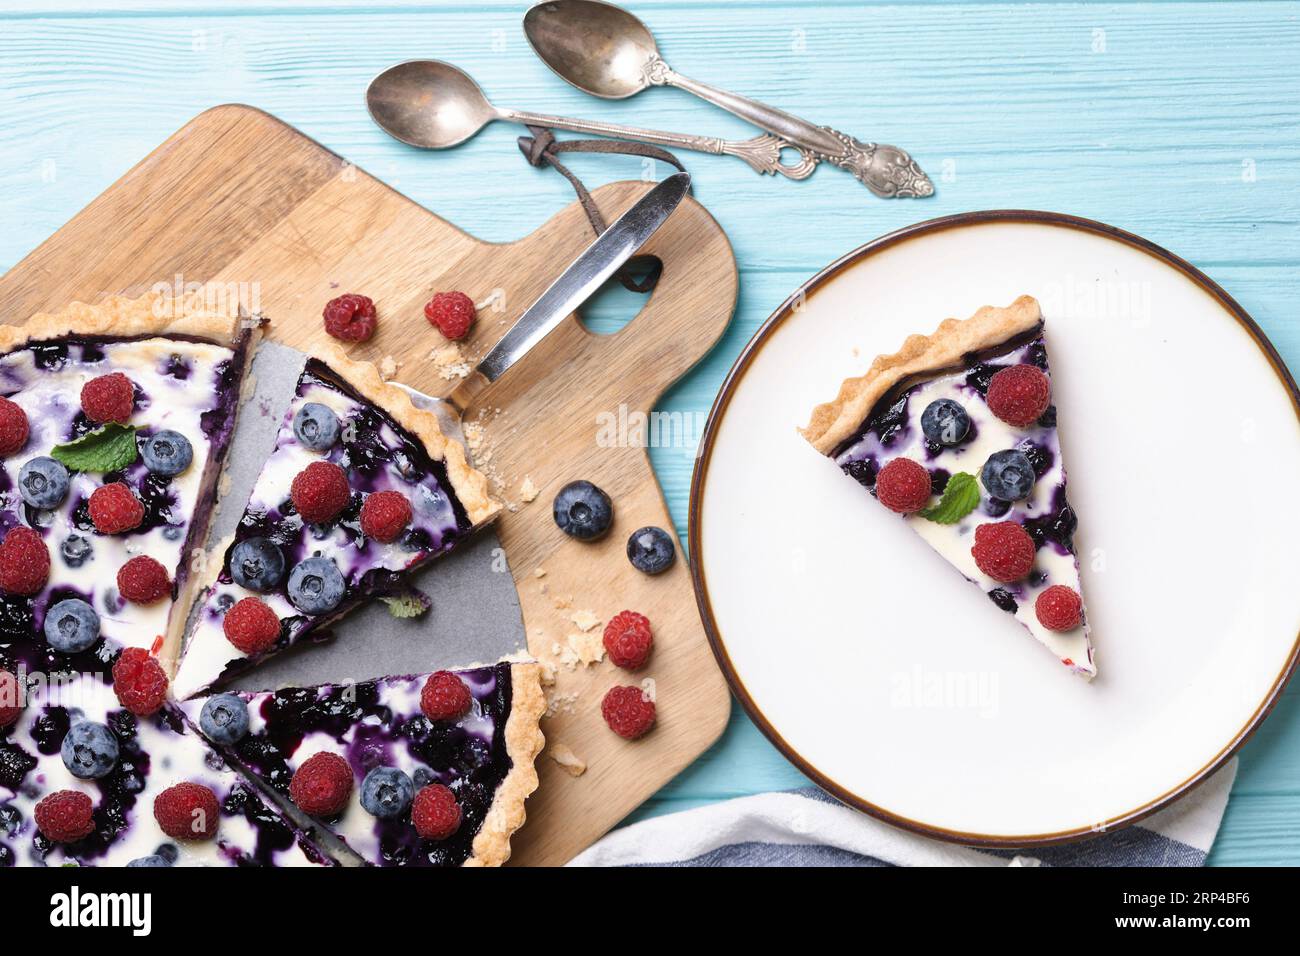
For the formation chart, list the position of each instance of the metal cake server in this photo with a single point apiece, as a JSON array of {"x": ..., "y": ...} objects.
[
  {"x": 434, "y": 105},
  {"x": 575, "y": 285},
  {"x": 606, "y": 51}
]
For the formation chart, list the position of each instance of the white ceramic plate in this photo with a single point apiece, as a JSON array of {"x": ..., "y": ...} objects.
[{"x": 896, "y": 684}]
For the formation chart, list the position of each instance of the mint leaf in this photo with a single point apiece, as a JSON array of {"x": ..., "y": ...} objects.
[
  {"x": 110, "y": 448},
  {"x": 411, "y": 604},
  {"x": 960, "y": 497}
]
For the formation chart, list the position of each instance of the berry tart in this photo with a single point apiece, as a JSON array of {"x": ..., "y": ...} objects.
[
  {"x": 957, "y": 433},
  {"x": 84, "y": 781},
  {"x": 114, "y": 422},
  {"x": 360, "y": 488},
  {"x": 426, "y": 770}
]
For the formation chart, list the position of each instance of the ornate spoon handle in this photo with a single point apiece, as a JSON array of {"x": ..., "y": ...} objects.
[
  {"x": 762, "y": 153},
  {"x": 886, "y": 170}
]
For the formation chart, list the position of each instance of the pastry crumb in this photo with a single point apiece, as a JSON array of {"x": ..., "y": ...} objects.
[
  {"x": 450, "y": 362},
  {"x": 527, "y": 490},
  {"x": 388, "y": 367},
  {"x": 560, "y": 703},
  {"x": 539, "y": 572},
  {"x": 573, "y": 765},
  {"x": 563, "y": 603},
  {"x": 589, "y": 648},
  {"x": 585, "y": 620}
]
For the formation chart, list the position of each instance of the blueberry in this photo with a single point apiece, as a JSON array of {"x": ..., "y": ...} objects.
[
  {"x": 43, "y": 483},
  {"x": 1008, "y": 475},
  {"x": 89, "y": 750},
  {"x": 316, "y": 586},
  {"x": 167, "y": 453},
  {"x": 224, "y": 719},
  {"x": 651, "y": 550},
  {"x": 386, "y": 792},
  {"x": 316, "y": 426},
  {"x": 75, "y": 550},
  {"x": 71, "y": 626},
  {"x": 152, "y": 860},
  {"x": 257, "y": 564},
  {"x": 583, "y": 511},
  {"x": 945, "y": 421}
]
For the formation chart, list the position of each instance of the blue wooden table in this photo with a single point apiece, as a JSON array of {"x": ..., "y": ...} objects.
[{"x": 1180, "y": 121}]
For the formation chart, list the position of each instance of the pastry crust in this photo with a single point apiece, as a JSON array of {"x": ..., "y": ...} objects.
[
  {"x": 524, "y": 741},
  {"x": 469, "y": 484},
  {"x": 118, "y": 316},
  {"x": 945, "y": 348}
]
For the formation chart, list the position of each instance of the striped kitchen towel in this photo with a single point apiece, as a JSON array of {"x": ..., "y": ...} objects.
[{"x": 808, "y": 828}]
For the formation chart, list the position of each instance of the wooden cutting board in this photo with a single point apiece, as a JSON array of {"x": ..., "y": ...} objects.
[{"x": 236, "y": 197}]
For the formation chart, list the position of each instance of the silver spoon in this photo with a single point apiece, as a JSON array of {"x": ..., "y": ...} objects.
[
  {"x": 606, "y": 51},
  {"x": 432, "y": 104}
]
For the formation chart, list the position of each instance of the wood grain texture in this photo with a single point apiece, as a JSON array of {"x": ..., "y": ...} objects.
[
  {"x": 1179, "y": 121},
  {"x": 292, "y": 226}
]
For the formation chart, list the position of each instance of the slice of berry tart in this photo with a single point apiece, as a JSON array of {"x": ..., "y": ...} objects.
[
  {"x": 360, "y": 488},
  {"x": 114, "y": 422},
  {"x": 86, "y": 781},
  {"x": 957, "y": 433},
  {"x": 427, "y": 770}
]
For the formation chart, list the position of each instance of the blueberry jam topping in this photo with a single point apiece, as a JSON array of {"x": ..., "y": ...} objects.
[{"x": 1003, "y": 599}]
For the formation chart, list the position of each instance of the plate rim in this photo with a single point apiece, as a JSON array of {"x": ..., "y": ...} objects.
[{"x": 699, "y": 477}]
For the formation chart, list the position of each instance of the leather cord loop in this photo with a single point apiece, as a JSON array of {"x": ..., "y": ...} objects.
[{"x": 542, "y": 149}]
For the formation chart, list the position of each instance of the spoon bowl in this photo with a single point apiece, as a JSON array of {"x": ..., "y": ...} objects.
[
  {"x": 599, "y": 48},
  {"x": 428, "y": 103}
]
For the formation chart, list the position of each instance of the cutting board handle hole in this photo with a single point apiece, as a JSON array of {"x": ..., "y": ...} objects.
[{"x": 614, "y": 306}]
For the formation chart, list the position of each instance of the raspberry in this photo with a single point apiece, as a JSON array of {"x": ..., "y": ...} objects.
[
  {"x": 451, "y": 313},
  {"x": 435, "y": 812},
  {"x": 320, "y": 491},
  {"x": 187, "y": 811},
  {"x": 251, "y": 626},
  {"x": 139, "y": 682},
  {"x": 24, "y": 562},
  {"x": 65, "y": 816},
  {"x": 115, "y": 509},
  {"x": 628, "y": 639},
  {"x": 628, "y": 711},
  {"x": 1019, "y": 394},
  {"x": 322, "y": 785},
  {"x": 13, "y": 427},
  {"x": 142, "y": 580},
  {"x": 12, "y": 698},
  {"x": 350, "y": 317},
  {"x": 384, "y": 514},
  {"x": 1059, "y": 608},
  {"x": 903, "y": 486},
  {"x": 1003, "y": 550},
  {"x": 108, "y": 398},
  {"x": 444, "y": 697}
]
